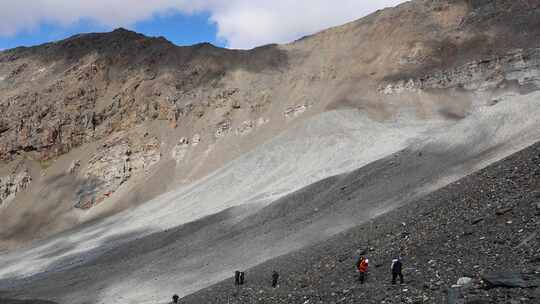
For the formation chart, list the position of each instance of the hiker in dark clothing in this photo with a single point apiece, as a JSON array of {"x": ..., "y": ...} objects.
[
  {"x": 175, "y": 299},
  {"x": 242, "y": 277},
  {"x": 362, "y": 266},
  {"x": 396, "y": 270},
  {"x": 275, "y": 277},
  {"x": 237, "y": 278}
]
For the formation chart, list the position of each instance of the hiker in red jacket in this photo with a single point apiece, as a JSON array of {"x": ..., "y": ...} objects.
[{"x": 362, "y": 266}]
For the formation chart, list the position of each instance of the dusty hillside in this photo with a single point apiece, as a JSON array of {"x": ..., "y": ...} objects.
[
  {"x": 97, "y": 114},
  {"x": 208, "y": 160}
]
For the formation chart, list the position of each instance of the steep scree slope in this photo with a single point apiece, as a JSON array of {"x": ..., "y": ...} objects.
[{"x": 485, "y": 223}]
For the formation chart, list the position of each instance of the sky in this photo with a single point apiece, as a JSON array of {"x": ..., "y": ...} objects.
[{"x": 240, "y": 24}]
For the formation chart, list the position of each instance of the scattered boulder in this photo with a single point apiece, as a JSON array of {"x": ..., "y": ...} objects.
[
  {"x": 249, "y": 126},
  {"x": 503, "y": 211},
  {"x": 362, "y": 251},
  {"x": 262, "y": 121},
  {"x": 468, "y": 231},
  {"x": 74, "y": 167},
  {"x": 510, "y": 280},
  {"x": 477, "y": 220},
  {"x": 223, "y": 128},
  {"x": 295, "y": 111},
  {"x": 195, "y": 140},
  {"x": 464, "y": 281},
  {"x": 246, "y": 127}
]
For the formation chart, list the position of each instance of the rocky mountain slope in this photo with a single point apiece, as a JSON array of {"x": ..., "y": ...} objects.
[
  {"x": 484, "y": 227},
  {"x": 148, "y": 169},
  {"x": 471, "y": 228},
  {"x": 178, "y": 113}
]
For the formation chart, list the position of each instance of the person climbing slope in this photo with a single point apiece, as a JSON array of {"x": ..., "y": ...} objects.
[
  {"x": 362, "y": 265},
  {"x": 275, "y": 277},
  {"x": 396, "y": 270}
]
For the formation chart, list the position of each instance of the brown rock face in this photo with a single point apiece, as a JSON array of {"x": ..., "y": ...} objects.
[
  {"x": 119, "y": 159},
  {"x": 59, "y": 96}
]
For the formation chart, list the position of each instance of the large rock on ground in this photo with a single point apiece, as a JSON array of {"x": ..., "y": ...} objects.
[{"x": 511, "y": 280}]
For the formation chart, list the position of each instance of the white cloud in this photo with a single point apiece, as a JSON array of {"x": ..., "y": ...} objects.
[{"x": 242, "y": 23}]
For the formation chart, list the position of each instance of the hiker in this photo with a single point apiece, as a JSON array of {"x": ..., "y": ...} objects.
[
  {"x": 237, "y": 278},
  {"x": 362, "y": 266},
  {"x": 275, "y": 277},
  {"x": 175, "y": 299},
  {"x": 242, "y": 277},
  {"x": 396, "y": 270}
]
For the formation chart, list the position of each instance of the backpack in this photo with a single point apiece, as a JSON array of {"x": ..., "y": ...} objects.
[{"x": 396, "y": 265}]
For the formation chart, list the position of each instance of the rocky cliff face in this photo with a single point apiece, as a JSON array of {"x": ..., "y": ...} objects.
[
  {"x": 115, "y": 110},
  {"x": 59, "y": 96},
  {"x": 519, "y": 70},
  {"x": 119, "y": 158}
]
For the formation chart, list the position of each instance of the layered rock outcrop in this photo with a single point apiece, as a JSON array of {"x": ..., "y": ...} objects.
[
  {"x": 513, "y": 70},
  {"x": 118, "y": 160}
]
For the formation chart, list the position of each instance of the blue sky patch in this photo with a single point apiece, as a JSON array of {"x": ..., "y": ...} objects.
[{"x": 178, "y": 28}]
